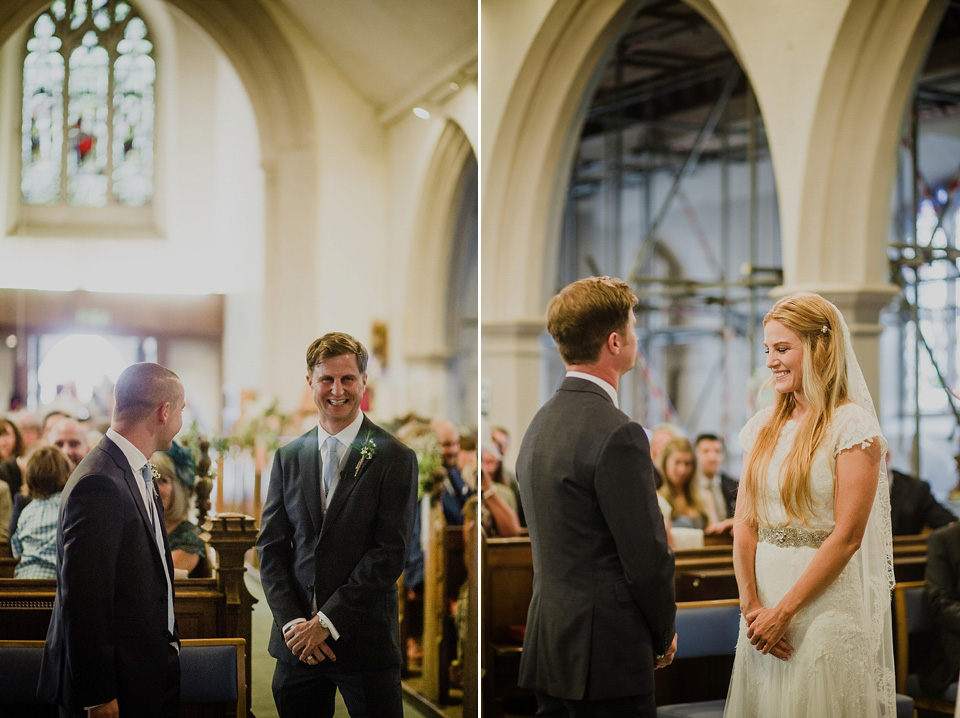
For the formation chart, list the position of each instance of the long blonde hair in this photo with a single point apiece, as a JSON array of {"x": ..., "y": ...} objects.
[
  {"x": 691, "y": 493},
  {"x": 824, "y": 385}
]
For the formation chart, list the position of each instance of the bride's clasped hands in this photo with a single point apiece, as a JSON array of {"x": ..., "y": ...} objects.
[{"x": 766, "y": 628}]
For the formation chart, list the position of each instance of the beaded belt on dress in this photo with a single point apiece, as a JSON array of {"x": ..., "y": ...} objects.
[{"x": 792, "y": 536}]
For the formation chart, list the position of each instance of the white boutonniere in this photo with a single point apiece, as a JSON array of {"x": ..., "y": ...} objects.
[
  {"x": 156, "y": 478},
  {"x": 367, "y": 451}
]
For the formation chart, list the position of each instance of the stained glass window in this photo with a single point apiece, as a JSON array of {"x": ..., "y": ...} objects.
[{"x": 88, "y": 107}]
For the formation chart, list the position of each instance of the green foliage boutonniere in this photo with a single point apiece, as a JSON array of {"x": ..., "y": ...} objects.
[{"x": 367, "y": 450}]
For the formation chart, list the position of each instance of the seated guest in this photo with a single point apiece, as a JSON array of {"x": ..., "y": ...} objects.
[
  {"x": 689, "y": 506},
  {"x": 70, "y": 437},
  {"x": 30, "y": 428},
  {"x": 177, "y": 474},
  {"x": 501, "y": 439},
  {"x": 913, "y": 508},
  {"x": 467, "y": 459},
  {"x": 723, "y": 488},
  {"x": 941, "y": 667},
  {"x": 6, "y": 511},
  {"x": 11, "y": 466},
  {"x": 35, "y": 540},
  {"x": 11, "y": 441},
  {"x": 659, "y": 437},
  {"x": 51, "y": 418},
  {"x": 455, "y": 490},
  {"x": 499, "y": 511}
]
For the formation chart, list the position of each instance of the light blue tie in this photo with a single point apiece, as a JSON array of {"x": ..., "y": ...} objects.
[
  {"x": 331, "y": 464},
  {"x": 147, "y": 475}
]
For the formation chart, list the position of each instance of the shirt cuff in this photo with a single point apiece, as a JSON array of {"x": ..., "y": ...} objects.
[{"x": 333, "y": 629}]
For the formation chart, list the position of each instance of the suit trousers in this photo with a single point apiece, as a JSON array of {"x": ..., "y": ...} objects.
[
  {"x": 641, "y": 706},
  {"x": 302, "y": 691},
  {"x": 170, "y": 708}
]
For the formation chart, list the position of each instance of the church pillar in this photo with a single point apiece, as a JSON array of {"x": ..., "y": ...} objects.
[
  {"x": 291, "y": 273},
  {"x": 427, "y": 384},
  {"x": 511, "y": 374}
]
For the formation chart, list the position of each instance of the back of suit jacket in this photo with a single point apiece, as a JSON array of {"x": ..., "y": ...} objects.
[
  {"x": 108, "y": 633},
  {"x": 349, "y": 558},
  {"x": 603, "y": 591}
]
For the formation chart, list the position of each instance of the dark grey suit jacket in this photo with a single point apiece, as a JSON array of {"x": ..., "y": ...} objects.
[
  {"x": 603, "y": 574},
  {"x": 912, "y": 507},
  {"x": 351, "y": 557},
  {"x": 108, "y": 633}
]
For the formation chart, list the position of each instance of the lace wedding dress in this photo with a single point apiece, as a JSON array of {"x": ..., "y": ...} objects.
[{"x": 837, "y": 667}]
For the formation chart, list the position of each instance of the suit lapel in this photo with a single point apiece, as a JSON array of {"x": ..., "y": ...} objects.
[
  {"x": 350, "y": 475},
  {"x": 309, "y": 458},
  {"x": 133, "y": 484}
]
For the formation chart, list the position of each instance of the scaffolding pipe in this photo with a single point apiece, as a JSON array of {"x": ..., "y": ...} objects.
[
  {"x": 688, "y": 166},
  {"x": 915, "y": 452},
  {"x": 724, "y": 262}
]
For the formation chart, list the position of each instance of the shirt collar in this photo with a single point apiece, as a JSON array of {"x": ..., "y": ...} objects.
[
  {"x": 606, "y": 386},
  {"x": 134, "y": 457},
  {"x": 347, "y": 435}
]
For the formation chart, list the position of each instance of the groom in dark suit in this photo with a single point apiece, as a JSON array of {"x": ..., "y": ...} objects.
[
  {"x": 602, "y": 614},
  {"x": 112, "y": 646},
  {"x": 333, "y": 538}
]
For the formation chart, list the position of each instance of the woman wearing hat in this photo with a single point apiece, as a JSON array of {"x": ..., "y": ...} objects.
[{"x": 175, "y": 484}]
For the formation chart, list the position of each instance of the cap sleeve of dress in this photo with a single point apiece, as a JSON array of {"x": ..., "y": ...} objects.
[
  {"x": 748, "y": 434},
  {"x": 853, "y": 426}
]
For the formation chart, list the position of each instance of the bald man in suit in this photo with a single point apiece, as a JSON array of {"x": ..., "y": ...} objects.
[{"x": 112, "y": 647}]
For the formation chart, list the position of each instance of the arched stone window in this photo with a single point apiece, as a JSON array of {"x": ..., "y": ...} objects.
[{"x": 87, "y": 134}]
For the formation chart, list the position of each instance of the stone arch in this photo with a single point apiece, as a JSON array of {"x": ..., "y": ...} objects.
[
  {"x": 845, "y": 198},
  {"x": 526, "y": 170},
  {"x": 432, "y": 250},
  {"x": 430, "y": 341}
]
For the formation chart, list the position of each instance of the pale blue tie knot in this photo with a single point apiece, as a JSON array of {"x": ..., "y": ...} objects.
[
  {"x": 146, "y": 474},
  {"x": 331, "y": 464}
]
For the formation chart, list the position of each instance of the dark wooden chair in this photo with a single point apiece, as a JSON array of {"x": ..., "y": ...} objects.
[{"x": 915, "y": 630}]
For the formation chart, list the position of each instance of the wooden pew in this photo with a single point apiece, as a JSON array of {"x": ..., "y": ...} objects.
[
  {"x": 706, "y": 573},
  {"x": 218, "y": 607},
  {"x": 702, "y": 574},
  {"x": 507, "y": 586},
  {"x": 445, "y": 571},
  {"x": 7, "y": 562}
]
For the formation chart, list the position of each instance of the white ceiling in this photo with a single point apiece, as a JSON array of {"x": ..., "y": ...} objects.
[{"x": 391, "y": 49}]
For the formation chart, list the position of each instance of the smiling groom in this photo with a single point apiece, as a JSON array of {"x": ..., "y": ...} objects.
[{"x": 333, "y": 539}]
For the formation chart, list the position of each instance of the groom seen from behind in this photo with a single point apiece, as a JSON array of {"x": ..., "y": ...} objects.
[
  {"x": 602, "y": 614},
  {"x": 333, "y": 538}
]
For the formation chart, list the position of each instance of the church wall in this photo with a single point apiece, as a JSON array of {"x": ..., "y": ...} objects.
[{"x": 339, "y": 272}]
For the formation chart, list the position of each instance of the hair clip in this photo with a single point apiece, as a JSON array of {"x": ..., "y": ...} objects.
[{"x": 823, "y": 329}]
